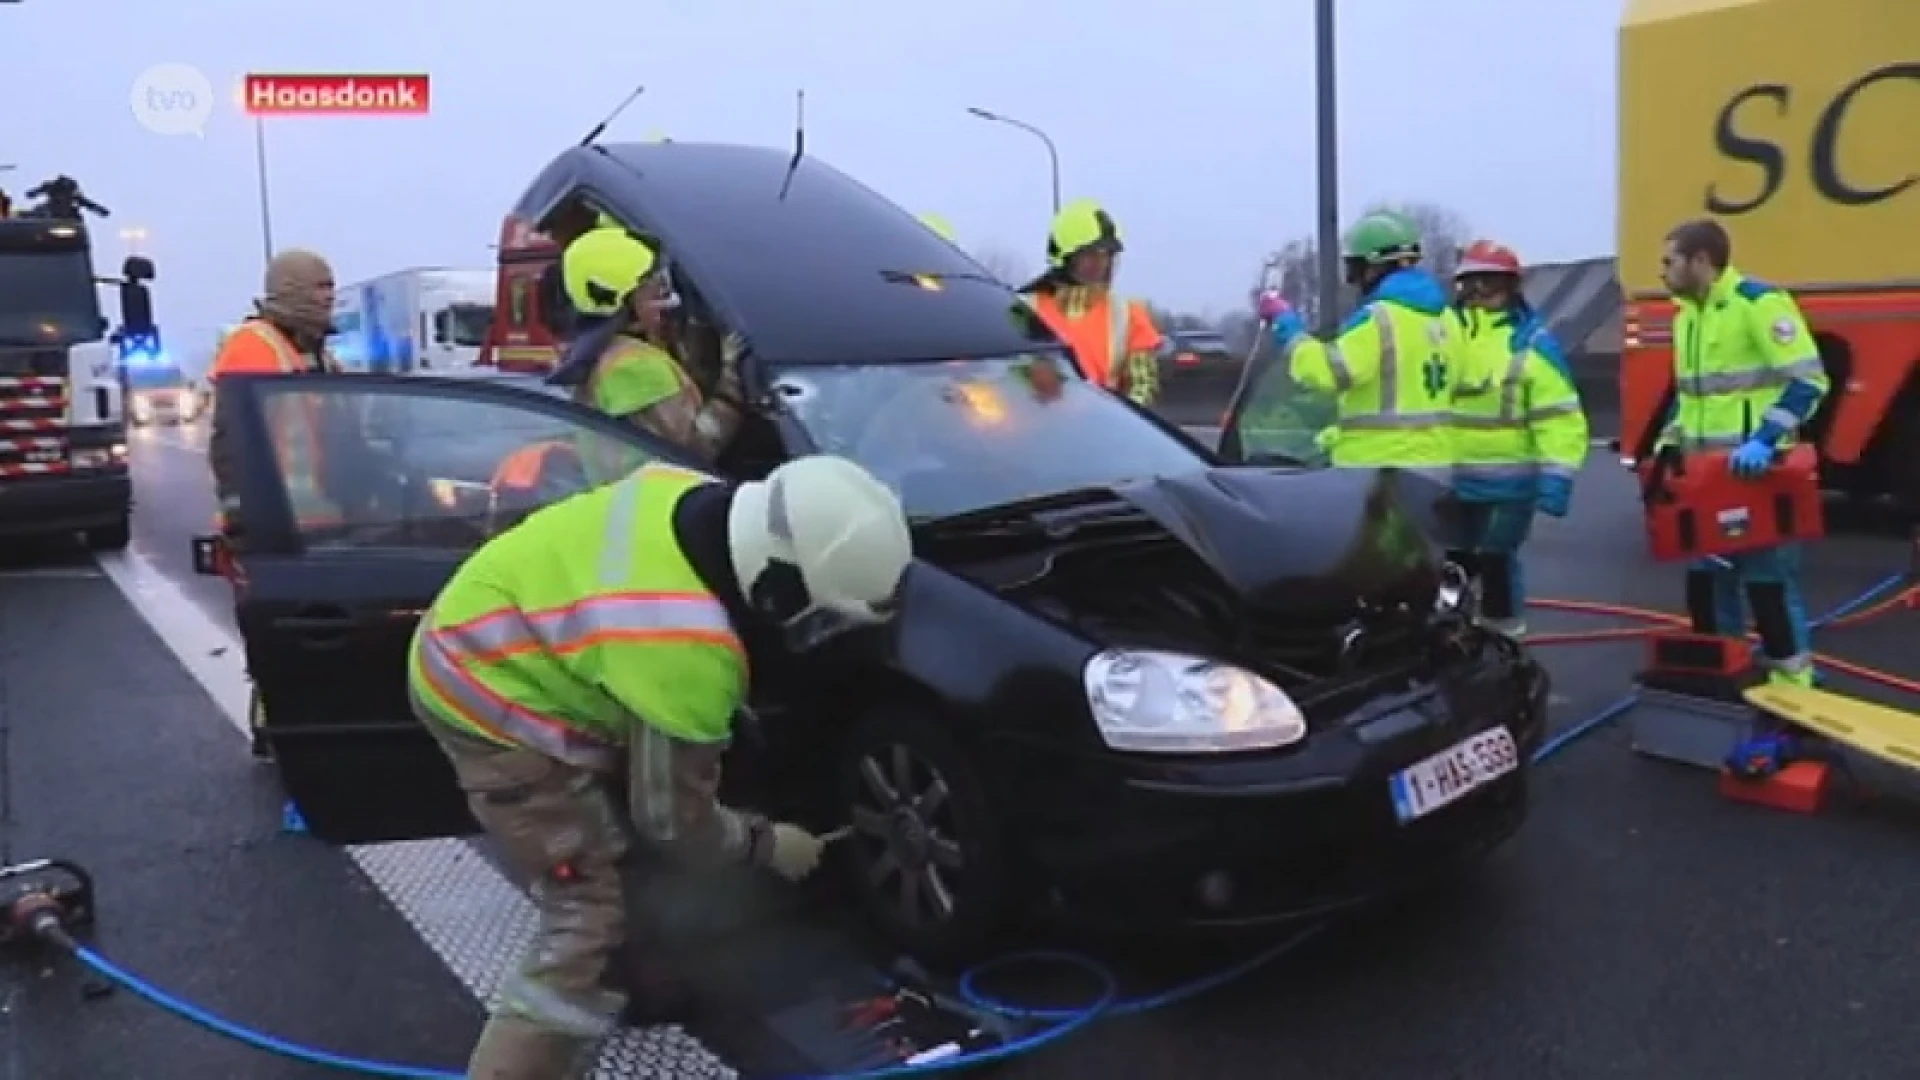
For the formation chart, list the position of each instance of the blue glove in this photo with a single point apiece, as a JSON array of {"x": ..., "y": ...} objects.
[
  {"x": 1553, "y": 495},
  {"x": 1753, "y": 459},
  {"x": 1288, "y": 325}
]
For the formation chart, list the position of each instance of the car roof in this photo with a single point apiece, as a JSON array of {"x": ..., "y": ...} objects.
[{"x": 820, "y": 273}]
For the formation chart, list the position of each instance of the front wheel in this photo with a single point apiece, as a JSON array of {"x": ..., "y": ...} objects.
[{"x": 925, "y": 854}]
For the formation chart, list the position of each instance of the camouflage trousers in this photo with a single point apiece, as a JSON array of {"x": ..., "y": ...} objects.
[{"x": 559, "y": 830}]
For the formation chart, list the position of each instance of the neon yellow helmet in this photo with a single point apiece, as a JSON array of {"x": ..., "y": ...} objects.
[
  {"x": 939, "y": 225},
  {"x": 602, "y": 268},
  {"x": 1080, "y": 225}
]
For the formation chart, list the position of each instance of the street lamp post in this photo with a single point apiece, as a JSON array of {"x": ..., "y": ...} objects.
[
  {"x": 1328, "y": 139},
  {"x": 1053, "y": 152},
  {"x": 266, "y": 205}
]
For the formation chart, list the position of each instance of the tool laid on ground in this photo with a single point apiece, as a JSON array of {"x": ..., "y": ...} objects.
[{"x": 42, "y": 900}]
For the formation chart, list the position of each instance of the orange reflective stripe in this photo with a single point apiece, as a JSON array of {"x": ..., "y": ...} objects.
[
  {"x": 448, "y": 654},
  {"x": 503, "y": 720},
  {"x": 679, "y": 618}
]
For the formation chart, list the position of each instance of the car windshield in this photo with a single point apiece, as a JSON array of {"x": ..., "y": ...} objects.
[
  {"x": 1279, "y": 418},
  {"x": 957, "y": 436},
  {"x": 47, "y": 297},
  {"x": 463, "y": 324}
]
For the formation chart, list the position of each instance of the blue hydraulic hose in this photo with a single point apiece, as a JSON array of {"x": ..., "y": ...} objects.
[
  {"x": 1871, "y": 596},
  {"x": 1064, "y": 1021},
  {"x": 187, "y": 1010}
]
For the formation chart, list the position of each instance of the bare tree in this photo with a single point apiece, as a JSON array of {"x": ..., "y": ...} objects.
[
  {"x": 1004, "y": 264},
  {"x": 1295, "y": 268}
]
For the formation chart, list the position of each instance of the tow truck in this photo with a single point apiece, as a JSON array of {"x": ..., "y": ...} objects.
[
  {"x": 63, "y": 390},
  {"x": 1794, "y": 127}
]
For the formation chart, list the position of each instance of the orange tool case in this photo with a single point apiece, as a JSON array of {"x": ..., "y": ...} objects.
[{"x": 1696, "y": 507}]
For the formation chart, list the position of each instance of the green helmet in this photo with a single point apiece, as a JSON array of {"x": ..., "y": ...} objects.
[
  {"x": 1380, "y": 237},
  {"x": 1081, "y": 224}
]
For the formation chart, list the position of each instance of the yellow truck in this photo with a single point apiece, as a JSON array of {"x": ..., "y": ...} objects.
[{"x": 1796, "y": 123}]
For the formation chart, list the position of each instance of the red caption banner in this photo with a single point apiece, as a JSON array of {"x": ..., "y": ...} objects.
[{"x": 335, "y": 95}]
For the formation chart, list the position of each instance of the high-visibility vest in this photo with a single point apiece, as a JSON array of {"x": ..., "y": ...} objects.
[
  {"x": 524, "y": 468},
  {"x": 1516, "y": 412},
  {"x": 1399, "y": 414},
  {"x": 1734, "y": 355},
  {"x": 1104, "y": 367},
  {"x": 604, "y": 460},
  {"x": 564, "y": 633},
  {"x": 294, "y": 425}
]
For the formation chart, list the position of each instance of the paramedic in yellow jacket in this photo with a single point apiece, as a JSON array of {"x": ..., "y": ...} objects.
[
  {"x": 621, "y": 363},
  {"x": 1519, "y": 434},
  {"x": 601, "y": 640},
  {"x": 1391, "y": 365}
]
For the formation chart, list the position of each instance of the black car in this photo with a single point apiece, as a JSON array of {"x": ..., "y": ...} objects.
[{"x": 1130, "y": 681}]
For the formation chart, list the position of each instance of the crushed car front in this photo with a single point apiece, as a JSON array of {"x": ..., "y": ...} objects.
[{"x": 1259, "y": 658}]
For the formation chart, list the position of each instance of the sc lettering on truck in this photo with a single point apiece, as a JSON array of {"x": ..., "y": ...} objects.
[{"x": 1823, "y": 151}]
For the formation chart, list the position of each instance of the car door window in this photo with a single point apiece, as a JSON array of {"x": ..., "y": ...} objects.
[
  {"x": 368, "y": 464},
  {"x": 1272, "y": 417}
]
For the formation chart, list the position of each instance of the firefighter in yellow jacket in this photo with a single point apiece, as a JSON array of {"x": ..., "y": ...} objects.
[{"x": 600, "y": 639}]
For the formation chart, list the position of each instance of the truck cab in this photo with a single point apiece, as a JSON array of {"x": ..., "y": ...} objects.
[
  {"x": 528, "y": 310},
  {"x": 63, "y": 442},
  {"x": 429, "y": 320}
]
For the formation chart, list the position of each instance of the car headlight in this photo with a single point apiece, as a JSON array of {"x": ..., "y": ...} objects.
[{"x": 1163, "y": 702}]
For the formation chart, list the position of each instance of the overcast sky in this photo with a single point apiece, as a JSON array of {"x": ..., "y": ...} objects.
[{"x": 1193, "y": 122}]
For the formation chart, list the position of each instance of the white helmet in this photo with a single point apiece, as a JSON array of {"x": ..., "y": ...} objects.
[{"x": 821, "y": 546}]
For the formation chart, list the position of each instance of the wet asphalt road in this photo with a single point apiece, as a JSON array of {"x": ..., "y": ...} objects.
[{"x": 1638, "y": 927}]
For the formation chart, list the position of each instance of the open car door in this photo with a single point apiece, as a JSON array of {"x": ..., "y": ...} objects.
[
  {"x": 346, "y": 538},
  {"x": 1270, "y": 419}
]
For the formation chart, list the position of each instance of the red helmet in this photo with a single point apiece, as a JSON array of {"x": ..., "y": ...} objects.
[{"x": 1487, "y": 257}]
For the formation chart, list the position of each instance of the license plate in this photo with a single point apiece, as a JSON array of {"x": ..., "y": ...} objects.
[{"x": 1453, "y": 773}]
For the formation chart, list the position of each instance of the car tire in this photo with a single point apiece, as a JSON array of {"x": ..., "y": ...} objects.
[
  {"x": 113, "y": 537},
  {"x": 911, "y": 794}
]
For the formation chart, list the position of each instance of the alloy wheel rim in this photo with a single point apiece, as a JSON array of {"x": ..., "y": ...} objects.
[{"x": 903, "y": 819}]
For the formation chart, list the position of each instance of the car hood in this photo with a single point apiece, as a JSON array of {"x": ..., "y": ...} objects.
[{"x": 1308, "y": 542}]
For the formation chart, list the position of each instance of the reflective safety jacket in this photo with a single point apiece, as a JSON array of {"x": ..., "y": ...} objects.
[
  {"x": 295, "y": 421},
  {"x": 1744, "y": 365},
  {"x": 1516, "y": 413},
  {"x": 630, "y": 377},
  {"x": 633, "y": 375},
  {"x": 1391, "y": 369},
  {"x": 1112, "y": 337},
  {"x": 581, "y": 629}
]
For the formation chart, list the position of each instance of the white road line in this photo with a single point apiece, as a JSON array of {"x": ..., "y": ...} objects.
[{"x": 470, "y": 915}]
